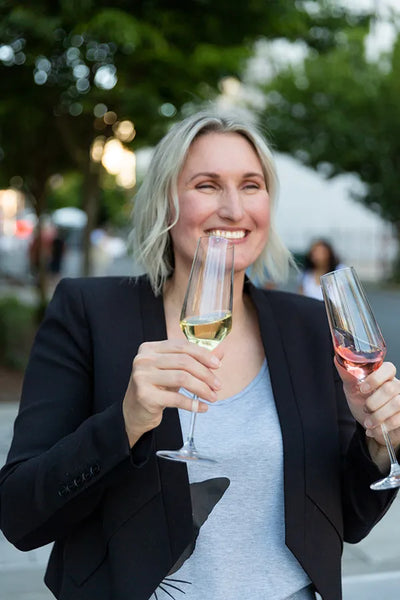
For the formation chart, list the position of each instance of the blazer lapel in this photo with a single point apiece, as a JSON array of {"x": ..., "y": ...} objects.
[
  {"x": 173, "y": 475},
  {"x": 290, "y": 421}
]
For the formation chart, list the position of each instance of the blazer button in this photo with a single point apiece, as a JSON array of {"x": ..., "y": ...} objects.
[{"x": 64, "y": 491}]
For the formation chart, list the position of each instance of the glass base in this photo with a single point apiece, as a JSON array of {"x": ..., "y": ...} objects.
[
  {"x": 185, "y": 455},
  {"x": 387, "y": 483}
]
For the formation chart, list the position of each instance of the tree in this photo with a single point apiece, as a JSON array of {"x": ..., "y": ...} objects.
[
  {"x": 339, "y": 113},
  {"x": 67, "y": 64}
]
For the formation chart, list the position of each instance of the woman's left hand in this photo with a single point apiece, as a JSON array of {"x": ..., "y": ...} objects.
[{"x": 372, "y": 402}]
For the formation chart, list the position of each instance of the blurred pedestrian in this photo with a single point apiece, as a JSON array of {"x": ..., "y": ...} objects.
[
  {"x": 320, "y": 259},
  {"x": 40, "y": 246},
  {"x": 56, "y": 254}
]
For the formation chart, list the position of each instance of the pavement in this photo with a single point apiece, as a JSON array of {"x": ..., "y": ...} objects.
[{"x": 371, "y": 568}]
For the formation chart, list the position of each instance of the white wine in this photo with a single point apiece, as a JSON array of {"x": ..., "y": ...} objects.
[{"x": 208, "y": 330}]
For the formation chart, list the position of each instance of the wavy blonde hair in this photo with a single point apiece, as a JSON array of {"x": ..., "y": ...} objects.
[{"x": 156, "y": 206}]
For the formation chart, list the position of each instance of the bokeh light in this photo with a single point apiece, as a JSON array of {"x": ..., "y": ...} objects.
[
  {"x": 124, "y": 130},
  {"x": 106, "y": 77}
]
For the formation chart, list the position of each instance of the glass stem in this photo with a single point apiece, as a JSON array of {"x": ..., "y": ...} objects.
[
  {"x": 190, "y": 436},
  {"x": 392, "y": 454},
  {"x": 394, "y": 465}
]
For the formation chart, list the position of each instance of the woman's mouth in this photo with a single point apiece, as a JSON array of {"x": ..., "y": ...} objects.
[{"x": 237, "y": 234}]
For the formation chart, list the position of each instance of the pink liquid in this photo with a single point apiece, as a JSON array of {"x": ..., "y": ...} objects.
[{"x": 360, "y": 364}]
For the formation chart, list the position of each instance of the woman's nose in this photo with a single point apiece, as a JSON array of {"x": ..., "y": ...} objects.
[{"x": 231, "y": 206}]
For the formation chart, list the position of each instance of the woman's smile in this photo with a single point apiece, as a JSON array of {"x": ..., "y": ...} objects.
[{"x": 222, "y": 192}]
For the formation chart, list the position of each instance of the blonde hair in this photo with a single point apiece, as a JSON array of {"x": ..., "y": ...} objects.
[{"x": 152, "y": 215}]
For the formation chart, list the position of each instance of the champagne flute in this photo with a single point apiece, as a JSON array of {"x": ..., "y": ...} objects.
[
  {"x": 206, "y": 316},
  {"x": 358, "y": 342}
]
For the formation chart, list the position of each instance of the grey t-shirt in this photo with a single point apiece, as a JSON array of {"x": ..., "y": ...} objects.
[{"x": 240, "y": 552}]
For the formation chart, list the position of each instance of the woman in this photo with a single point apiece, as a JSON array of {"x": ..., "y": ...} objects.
[
  {"x": 102, "y": 395},
  {"x": 320, "y": 259}
]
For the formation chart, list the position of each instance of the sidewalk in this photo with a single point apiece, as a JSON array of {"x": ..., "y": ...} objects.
[
  {"x": 371, "y": 569},
  {"x": 21, "y": 573}
]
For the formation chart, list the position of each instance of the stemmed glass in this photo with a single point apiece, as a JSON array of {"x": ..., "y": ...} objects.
[
  {"x": 206, "y": 316},
  {"x": 358, "y": 342}
]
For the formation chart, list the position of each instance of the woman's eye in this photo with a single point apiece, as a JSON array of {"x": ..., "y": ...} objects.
[
  {"x": 251, "y": 186},
  {"x": 205, "y": 186}
]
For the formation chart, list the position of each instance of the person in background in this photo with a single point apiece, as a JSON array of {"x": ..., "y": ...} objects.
[
  {"x": 56, "y": 255},
  {"x": 103, "y": 392},
  {"x": 41, "y": 249},
  {"x": 320, "y": 259}
]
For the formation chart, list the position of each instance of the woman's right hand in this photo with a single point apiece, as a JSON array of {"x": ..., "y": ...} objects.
[{"x": 159, "y": 370}]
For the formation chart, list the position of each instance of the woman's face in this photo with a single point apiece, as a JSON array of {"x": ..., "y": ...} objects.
[
  {"x": 320, "y": 255},
  {"x": 222, "y": 191}
]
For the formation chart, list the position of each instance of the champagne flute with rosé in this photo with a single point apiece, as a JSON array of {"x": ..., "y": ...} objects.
[{"x": 358, "y": 342}]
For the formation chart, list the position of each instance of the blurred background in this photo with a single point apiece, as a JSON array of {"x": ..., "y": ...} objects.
[{"x": 89, "y": 87}]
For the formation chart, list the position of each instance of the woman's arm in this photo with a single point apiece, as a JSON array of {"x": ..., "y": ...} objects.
[
  {"x": 63, "y": 457},
  {"x": 73, "y": 440},
  {"x": 362, "y": 507}
]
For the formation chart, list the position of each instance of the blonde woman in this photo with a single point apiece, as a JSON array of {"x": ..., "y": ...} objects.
[{"x": 103, "y": 392}]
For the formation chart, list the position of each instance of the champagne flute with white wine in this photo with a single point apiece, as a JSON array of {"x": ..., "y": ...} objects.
[
  {"x": 358, "y": 342},
  {"x": 206, "y": 316}
]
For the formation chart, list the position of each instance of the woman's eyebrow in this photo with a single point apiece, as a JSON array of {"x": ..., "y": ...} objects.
[
  {"x": 205, "y": 174},
  {"x": 217, "y": 176}
]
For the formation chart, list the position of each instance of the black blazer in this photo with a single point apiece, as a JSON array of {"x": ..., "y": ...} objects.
[{"x": 120, "y": 519}]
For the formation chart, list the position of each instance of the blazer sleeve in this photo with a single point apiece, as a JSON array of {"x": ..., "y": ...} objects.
[
  {"x": 362, "y": 507},
  {"x": 305, "y": 331},
  {"x": 64, "y": 455}
]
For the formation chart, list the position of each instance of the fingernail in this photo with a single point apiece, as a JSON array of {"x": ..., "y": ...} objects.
[
  {"x": 365, "y": 388},
  {"x": 215, "y": 361},
  {"x": 217, "y": 384},
  {"x": 368, "y": 423},
  {"x": 369, "y": 433}
]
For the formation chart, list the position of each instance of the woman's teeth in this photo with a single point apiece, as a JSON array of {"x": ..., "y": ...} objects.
[{"x": 230, "y": 235}]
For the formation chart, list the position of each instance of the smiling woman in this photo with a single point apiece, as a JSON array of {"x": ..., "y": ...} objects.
[
  {"x": 111, "y": 381},
  {"x": 222, "y": 191},
  {"x": 157, "y": 207}
]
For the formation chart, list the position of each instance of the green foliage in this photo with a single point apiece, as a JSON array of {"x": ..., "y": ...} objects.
[
  {"x": 340, "y": 113},
  {"x": 17, "y": 328},
  {"x": 65, "y": 190},
  {"x": 67, "y": 57}
]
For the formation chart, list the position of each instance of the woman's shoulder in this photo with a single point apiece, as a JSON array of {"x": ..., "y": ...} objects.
[
  {"x": 288, "y": 298},
  {"x": 296, "y": 315},
  {"x": 101, "y": 293},
  {"x": 101, "y": 284},
  {"x": 286, "y": 303}
]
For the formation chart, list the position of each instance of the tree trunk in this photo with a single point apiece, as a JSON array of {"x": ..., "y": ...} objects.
[
  {"x": 90, "y": 201},
  {"x": 41, "y": 278}
]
